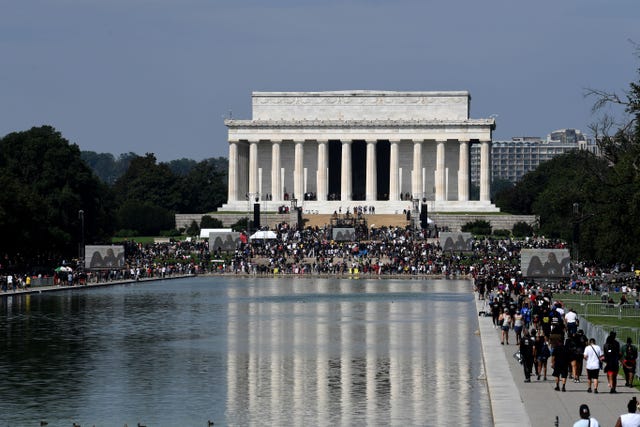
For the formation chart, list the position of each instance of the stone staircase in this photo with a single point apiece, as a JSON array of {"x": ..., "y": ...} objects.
[{"x": 377, "y": 220}]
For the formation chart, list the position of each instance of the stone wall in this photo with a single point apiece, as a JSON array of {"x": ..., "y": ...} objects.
[{"x": 453, "y": 222}]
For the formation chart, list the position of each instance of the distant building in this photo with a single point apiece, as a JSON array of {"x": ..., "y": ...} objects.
[{"x": 511, "y": 160}]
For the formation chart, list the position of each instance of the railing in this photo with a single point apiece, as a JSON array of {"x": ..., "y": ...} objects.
[{"x": 610, "y": 310}]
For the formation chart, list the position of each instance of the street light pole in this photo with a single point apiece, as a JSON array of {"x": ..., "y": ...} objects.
[
  {"x": 81, "y": 248},
  {"x": 576, "y": 230}
]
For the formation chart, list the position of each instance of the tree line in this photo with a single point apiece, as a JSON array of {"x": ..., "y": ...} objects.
[{"x": 54, "y": 196}]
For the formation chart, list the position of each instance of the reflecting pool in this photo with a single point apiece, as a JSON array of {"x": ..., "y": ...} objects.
[{"x": 241, "y": 351}]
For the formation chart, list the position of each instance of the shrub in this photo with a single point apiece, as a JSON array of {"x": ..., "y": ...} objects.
[
  {"x": 502, "y": 234},
  {"x": 478, "y": 227},
  {"x": 522, "y": 229}
]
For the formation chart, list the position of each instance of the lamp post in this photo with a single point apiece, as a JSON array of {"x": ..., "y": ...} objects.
[
  {"x": 81, "y": 248},
  {"x": 576, "y": 231}
]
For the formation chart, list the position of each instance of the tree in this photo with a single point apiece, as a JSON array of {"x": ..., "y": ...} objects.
[
  {"x": 208, "y": 221},
  {"x": 45, "y": 184},
  {"x": 204, "y": 188},
  {"x": 147, "y": 181},
  {"x": 144, "y": 218},
  {"x": 479, "y": 227}
]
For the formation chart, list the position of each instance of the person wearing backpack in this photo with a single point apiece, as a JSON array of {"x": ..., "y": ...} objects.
[{"x": 629, "y": 356}]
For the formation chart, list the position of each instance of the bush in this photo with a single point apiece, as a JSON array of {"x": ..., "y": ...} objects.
[
  {"x": 478, "y": 228},
  {"x": 241, "y": 225},
  {"x": 502, "y": 234},
  {"x": 193, "y": 229},
  {"x": 522, "y": 229},
  {"x": 207, "y": 221}
]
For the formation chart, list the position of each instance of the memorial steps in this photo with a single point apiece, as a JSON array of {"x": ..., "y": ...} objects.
[{"x": 377, "y": 220}]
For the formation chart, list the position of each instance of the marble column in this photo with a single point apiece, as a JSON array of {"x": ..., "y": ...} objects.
[
  {"x": 322, "y": 184},
  {"x": 463, "y": 172},
  {"x": 440, "y": 177},
  {"x": 394, "y": 170},
  {"x": 485, "y": 171},
  {"x": 371, "y": 177},
  {"x": 276, "y": 183},
  {"x": 416, "y": 174},
  {"x": 253, "y": 168},
  {"x": 233, "y": 172},
  {"x": 298, "y": 171},
  {"x": 345, "y": 173}
]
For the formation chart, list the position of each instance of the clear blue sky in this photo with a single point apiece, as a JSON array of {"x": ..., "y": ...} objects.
[{"x": 159, "y": 75}]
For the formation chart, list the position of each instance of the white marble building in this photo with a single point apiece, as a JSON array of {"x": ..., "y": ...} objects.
[{"x": 340, "y": 149}]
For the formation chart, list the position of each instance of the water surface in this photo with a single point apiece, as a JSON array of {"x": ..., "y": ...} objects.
[{"x": 244, "y": 352}]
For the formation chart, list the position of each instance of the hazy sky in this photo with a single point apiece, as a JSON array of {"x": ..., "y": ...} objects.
[{"x": 160, "y": 75}]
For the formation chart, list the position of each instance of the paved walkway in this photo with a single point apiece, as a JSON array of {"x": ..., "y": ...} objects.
[{"x": 537, "y": 404}]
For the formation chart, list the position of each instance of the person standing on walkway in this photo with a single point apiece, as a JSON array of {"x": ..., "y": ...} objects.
[
  {"x": 518, "y": 325},
  {"x": 560, "y": 359},
  {"x": 527, "y": 353},
  {"x": 612, "y": 360},
  {"x": 586, "y": 420},
  {"x": 542, "y": 354},
  {"x": 571, "y": 320},
  {"x": 632, "y": 418},
  {"x": 629, "y": 356},
  {"x": 505, "y": 325},
  {"x": 580, "y": 342},
  {"x": 593, "y": 356}
]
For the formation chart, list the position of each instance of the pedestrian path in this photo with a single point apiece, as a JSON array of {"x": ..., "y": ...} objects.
[{"x": 537, "y": 404}]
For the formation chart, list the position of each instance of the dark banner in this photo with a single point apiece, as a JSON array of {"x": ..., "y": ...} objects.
[
  {"x": 103, "y": 256},
  {"x": 459, "y": 242},
  {"x": 545, "y": 263},
  {"x": 344, "y": 234},
  {"x": 228, "y": 241}
]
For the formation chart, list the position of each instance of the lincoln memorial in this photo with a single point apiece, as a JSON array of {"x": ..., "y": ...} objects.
[{"x": 340, "y": 149}]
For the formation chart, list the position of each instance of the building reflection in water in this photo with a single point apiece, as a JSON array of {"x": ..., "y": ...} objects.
[{"x": 354, "y": 352}]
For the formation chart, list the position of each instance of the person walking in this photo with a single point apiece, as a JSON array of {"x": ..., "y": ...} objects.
[
  {"x": 518, "y": 325},
  {"x": 593, "y": 356},
  {"x": 631, "y": 418},
  {"x": 629, "y": 356},
  {"x": 586, "y": 420},
  {"x": 542, "y": 353},
  {"x": 560, "y": 359},
  {"x": 527, "y": 353},
  {"x": 505, "y": 325},
  {"x": 612, "y": 360},
  {"x": 581, "y": 342}
]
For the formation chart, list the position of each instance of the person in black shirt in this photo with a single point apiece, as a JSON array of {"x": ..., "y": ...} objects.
[
  {"x": 527, "y": 353},
  {"x": 560, "y": 360},
  {"x": 611, "y": 351}
]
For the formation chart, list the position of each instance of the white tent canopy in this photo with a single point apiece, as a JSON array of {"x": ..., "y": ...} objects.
[{"x": 263, "y": 235}]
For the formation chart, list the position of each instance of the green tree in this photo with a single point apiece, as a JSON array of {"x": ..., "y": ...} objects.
[
  {"x": 44, "y": 185},
  {"x": 479, "y": 227},
  {"x": 208, "y": 221},
  {"x": 144, "y": 218},
  {"x": 204, "y": 188},
  {"x": 148, "y": 181}
]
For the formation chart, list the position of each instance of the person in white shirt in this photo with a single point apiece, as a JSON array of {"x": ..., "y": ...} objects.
[
  {"x": 571, "y": 320},
  {"x": 586, "y": 420},
  {"x": 631, "y": 419},
  {"x": 593, "y": 355}
]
